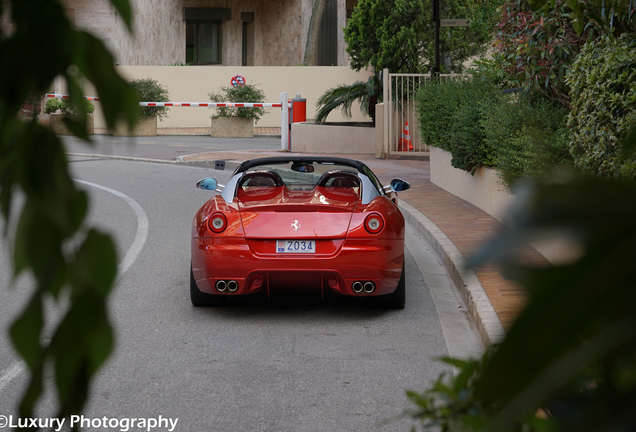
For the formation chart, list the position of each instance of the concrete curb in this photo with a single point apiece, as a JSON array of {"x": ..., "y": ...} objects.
[
  {"x": 127, "y": 158},
  {"x": 227, "y": 164},
  {"x": 479, "y": 306},
  {"x": 232, "y": 165}
]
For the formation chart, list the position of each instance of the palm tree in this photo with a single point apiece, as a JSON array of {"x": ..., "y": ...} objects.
[{"x": 369, "y": 94}]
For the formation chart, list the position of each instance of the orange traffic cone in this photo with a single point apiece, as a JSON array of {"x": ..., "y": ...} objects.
[{"x": 404, "y": 144}]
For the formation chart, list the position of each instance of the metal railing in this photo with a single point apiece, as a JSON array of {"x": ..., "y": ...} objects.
[{"x": 401, "y": 126}]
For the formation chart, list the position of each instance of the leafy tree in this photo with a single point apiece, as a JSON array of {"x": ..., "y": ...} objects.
[
  {"x": 484, "y": 14},
  {"x": 33, "y": 162},
  {"x": 536, "y": 41},
  {"x": 399, "y": 35},
  {"x": 614, "y": 17},
  {"x": 536, "y": 50},
  {"x": 603, "y": 81}
]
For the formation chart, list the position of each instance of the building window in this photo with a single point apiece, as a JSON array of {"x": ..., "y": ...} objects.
[
  {"x": 328, "y": 36},
  {"x": 203, "y": 42},
  {"x": 203, "y": 34},
  {"x": 247, "y": 39},
  {"x": 244, "y": 45}
]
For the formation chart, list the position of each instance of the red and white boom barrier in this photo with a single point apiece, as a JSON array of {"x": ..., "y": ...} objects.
[
  {"x": 283, "y": 104},
  {"x": 63, "y": 96},
  {"x": 211, "y": 104}
]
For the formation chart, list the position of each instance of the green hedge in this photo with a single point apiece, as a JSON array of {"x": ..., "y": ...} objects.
[
  {"x": 450, "y": 118},
  {"x": 530, "y": 135},
  {"x": 603, "y": 83},
  {"x": 521, "y": 135}
]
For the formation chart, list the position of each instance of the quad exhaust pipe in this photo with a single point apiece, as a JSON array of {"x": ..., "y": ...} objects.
[
  {"x": 230, "y": 286},
  {"x": 359, "y": 286},
  {"x": 369, "y": 287}
]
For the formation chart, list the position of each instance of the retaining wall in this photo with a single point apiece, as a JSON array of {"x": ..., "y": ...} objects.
[{"x": 485, "y": 191}]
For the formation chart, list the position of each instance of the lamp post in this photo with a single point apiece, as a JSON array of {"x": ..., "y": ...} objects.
[{"x": 436, "y": 20}]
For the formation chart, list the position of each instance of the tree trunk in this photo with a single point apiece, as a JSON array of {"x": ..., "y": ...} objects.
[{"x": 317, "y": 11}]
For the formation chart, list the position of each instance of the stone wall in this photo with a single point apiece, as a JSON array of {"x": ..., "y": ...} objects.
[{"x": 279, "y": 30}]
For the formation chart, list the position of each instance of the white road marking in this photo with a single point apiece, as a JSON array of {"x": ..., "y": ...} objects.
[
  {"x": 16, "y": 369},
  {"x": 142, "y": 227},
  {"x": 137, "y": 245}
]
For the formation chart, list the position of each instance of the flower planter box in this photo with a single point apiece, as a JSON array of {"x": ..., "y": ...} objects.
[
  {"x": 147, "y": 126},
  {"x": 57, "y": 125},
  {"x": 232, "y": 127}
]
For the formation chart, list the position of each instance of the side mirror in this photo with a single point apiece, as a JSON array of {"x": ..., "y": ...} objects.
[
  {"x": 207, "y": 184},
  {"x": 399, "y": 185}
]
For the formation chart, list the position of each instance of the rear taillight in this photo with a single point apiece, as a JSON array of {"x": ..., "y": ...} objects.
[
  {"x": 374, "y": 223},
  {"x": 217, "y": 222}
]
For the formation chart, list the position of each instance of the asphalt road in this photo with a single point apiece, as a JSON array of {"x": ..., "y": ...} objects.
[{"x": 254, "y": 365}]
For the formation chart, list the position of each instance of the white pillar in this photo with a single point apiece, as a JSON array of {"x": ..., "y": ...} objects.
[
  {"x": 284, "y": 122},
  {"x": 388, "y": 110}
]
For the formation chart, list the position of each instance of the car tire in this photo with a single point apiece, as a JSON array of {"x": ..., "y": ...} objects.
[
  {"x": 397, "y": 299},
  {"x": 201, "y": 299}
]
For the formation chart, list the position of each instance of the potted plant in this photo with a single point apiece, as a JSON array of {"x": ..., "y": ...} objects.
[
  {"x": 236, "y": 122},
  {"x": 147, "y": 90},
  {"x": 61, "y": 109}
]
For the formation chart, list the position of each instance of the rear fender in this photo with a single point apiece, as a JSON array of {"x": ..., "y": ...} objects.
[
  {"x": 393, "y": 220},
  {"x": 200, "y": 227}
]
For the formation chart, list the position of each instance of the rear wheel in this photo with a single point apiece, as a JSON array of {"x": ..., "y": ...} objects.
[
  {"x": 199, "y": 298},
  {"x": 397, "y": 299}
]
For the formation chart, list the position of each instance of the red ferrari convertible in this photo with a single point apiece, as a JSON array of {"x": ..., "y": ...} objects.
[{"x": 299, "y": 223}]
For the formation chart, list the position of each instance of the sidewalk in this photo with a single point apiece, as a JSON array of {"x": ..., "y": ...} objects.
[{"x": 455, "y": 225}]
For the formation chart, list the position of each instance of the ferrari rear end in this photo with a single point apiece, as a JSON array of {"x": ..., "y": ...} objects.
[{"x": 273, "y": 237}]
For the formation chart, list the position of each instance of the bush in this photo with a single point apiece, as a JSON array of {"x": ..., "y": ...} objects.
[
  {"x": 450, "y": 118},
  {"x": 468, "y": 143},
  {"x": 245, "y": 93},
  {"x": 531, "y": 137},
  {"x": 55, "y": 104},
  {"x": 437, "y": 102},
  {"x": 523, "y": 136},
  {"x": 603, "y": 83},
  {"x": 149, "y": 90}
]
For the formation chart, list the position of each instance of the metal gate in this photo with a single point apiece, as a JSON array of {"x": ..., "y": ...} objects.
[{"x": 401, "y": 126}]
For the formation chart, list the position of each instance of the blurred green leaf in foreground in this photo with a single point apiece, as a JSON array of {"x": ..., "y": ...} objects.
[
  {"x": 33, "y": 166},
  {"x": 568, "y": 363}
]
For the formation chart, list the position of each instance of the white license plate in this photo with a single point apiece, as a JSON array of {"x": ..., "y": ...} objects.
[{"x": 295, "y": 246}]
